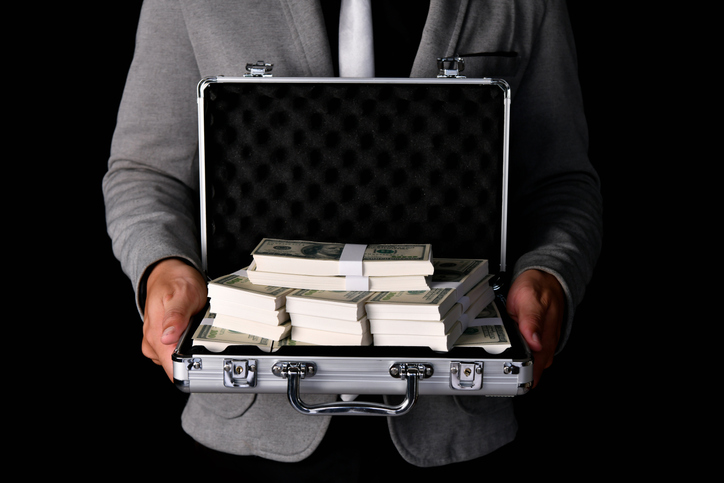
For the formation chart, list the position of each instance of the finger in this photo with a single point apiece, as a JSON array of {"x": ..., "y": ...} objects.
[
  {"x": 531, "y": 327},
  {"x": 529, "y": 316},
  {"x": 175, "y": 321},
  {"x": 159, "y": 344},
  {"x": 536, "y": 303},
  {"x": 149, "y": 352},
  {"x": 526, "y": 310},
  {"x": 175, "y": 292},
  {"x": 159, "y": 352}
]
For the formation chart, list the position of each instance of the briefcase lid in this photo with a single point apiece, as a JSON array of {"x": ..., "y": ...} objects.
[{"x": 379, "y": 160}]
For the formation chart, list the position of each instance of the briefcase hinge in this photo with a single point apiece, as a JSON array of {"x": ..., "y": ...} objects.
[
  {"x": 450, "y": 67},
  {"x": 406, "y": 369},
  {"x": 193, "y": 364},
  {"x": 239, "y": 373},
  {"x": 259, "y": 69},
  {"x": 466, "y": 376}
]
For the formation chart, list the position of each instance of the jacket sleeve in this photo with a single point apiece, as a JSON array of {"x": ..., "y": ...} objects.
[
  {"x": 556, "y": 205},
  {"x": 151, "y": 183}
]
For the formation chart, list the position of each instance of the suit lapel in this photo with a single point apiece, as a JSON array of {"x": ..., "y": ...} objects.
[
  {"x": 440, "y": 36},
  {"x": 306, "y": 20}
]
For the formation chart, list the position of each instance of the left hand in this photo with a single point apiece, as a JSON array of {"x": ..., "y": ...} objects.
[{"x": 536, "y": 302}]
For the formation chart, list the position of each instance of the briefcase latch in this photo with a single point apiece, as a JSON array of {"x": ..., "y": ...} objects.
[
  {"x": 303, "y": 369},
  {"x": 404, "y": 370},
  {"x": 466, "y": 376},
  {"x": 239, "y": 373}
]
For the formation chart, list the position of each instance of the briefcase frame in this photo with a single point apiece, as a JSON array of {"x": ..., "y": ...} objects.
[{"x": 344, "y": 370}]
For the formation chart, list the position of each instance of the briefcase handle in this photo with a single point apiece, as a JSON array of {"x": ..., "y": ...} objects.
[{"x": 295, "y": 373}]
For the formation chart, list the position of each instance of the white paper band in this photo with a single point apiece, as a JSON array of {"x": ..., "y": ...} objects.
[
  {"x": 465, "y": 302},
  {"x": 454, "y": 285},
  {"x": 350, "y": 261},
  {"x": 355, "y": 283}
]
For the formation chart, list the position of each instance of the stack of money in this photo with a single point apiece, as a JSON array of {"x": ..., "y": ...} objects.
[
  {"x": 438, "y": 317},
  {"x": 245, "y": 307},
  {"x": 244, "y": 310},
  {"x": 323, "y": 317},
  {"x": 341, "y": 267},
  {"x": 486, "y": 330},
  {"x": 216, "y": 339}
]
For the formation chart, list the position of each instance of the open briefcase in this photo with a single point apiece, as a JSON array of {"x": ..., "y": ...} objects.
[{"x": 360, "y": 161}]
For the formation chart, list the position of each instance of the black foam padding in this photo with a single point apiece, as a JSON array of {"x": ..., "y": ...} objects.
[{"x": 353, "y": 163}]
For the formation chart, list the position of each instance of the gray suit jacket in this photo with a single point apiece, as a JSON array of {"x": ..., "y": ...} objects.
[{"x": 151, "y": 185}]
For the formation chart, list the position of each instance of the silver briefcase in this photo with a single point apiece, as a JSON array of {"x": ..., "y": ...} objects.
[{"x": 380, "y": 160}]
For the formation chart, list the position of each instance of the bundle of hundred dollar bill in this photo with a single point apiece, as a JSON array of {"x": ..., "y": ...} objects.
[
  {"x": 324, "y": 317},
  {"x": 486, "y": 330},
  {"x": 460, "y": 289},
  {"x": 452, "y": 306},
  {"x": 242, "y": 306},
  {"x": 339, "y": 266},
  {"x": 216, "y": 339}
]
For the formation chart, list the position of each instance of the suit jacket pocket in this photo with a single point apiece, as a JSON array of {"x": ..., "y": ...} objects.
[{"x": 228, "y": 406}]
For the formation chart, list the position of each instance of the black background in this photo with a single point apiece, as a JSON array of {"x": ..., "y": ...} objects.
[{"x": 90, "y": 394}]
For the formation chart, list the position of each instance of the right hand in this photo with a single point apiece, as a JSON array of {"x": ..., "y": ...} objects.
[{"x": 175, "y": 292}]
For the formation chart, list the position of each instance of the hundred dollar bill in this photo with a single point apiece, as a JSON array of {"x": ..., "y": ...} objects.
[
  {"x": 492, "y": 338},
  {"x": 461, "y": 312},
  {"x": 489, "y": 315},
  {"x": 237, "y": 288},
  {"x": 253, "y": 327},
  {"x": 338, "y": 282},
  {"x": 486, "y": 330},
  {"x": 459, "y": 274},
  {"x": 217, "y": 338},
  {"x": 431, "y": 304},
  {"x": 250, "y": 312},
  {"x": 483, "y": 334},
  {"x": 418, "y": 305},
  {"x": 326, "y": 337},
  {"x": 327, "y": 303},
  {"x": 288, "y": 341},
  {"x": 323, "y": 258},
  {"x": 441, "y": 343},
  {"x": 331, "y": 324}
]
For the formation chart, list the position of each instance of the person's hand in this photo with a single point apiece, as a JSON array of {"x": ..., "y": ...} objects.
[
  {"x": 175, "y": 292},
  {"x": 536, "y": 302}
]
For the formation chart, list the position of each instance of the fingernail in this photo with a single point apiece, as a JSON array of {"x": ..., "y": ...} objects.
[
  {"x": 536, "y": 337},
  {"x": 168, "y": 331}
]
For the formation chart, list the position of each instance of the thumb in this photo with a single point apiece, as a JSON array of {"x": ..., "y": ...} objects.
[
  {"x": 175, "y": 321},
  {"x": 535, "y": 302},
  {"x": 179, "y": 307},
  {"x": 527, "y": 312},
  {"x": 176, "y": 292}
]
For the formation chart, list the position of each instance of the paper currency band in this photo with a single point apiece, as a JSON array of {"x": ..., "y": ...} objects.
[
  {"x": 465, "y": 302},
  {"x": 354, "y": 283},
  {"x": 453, "y": 285},
  {"x": 350, "y": 261}
]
